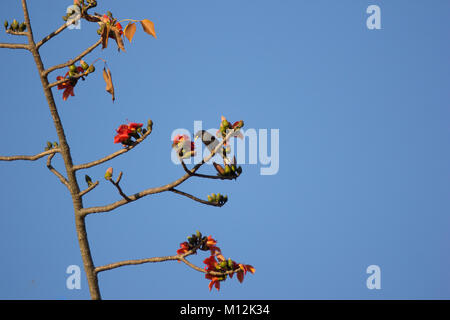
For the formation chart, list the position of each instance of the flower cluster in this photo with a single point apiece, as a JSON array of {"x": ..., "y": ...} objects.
[
  {"x": 227, "y": 267},
  {"x": 127, "y": 131},
  {"x": 218, "y": 198},
  {"x": 184, "y": 146},
  {"x": 15, "y": 26},
  {"x": 197, "y": 241},
  {"x": 83, "y": 69},
  {"x": 215, "y": 263},
  {"x": 225, "y": 126},
  {"x": 228, "y": 170}
]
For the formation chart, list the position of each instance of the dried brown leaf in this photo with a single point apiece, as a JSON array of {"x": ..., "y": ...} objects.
[
  {"x": 129, "y": 31},
  {"x": 109, "y": 84},
  {"x": 148, "y": 27},
  {"x": 105, "y": 35},
  {"x": 118, "y": 38},
  {"x": 219, "y": 168}
]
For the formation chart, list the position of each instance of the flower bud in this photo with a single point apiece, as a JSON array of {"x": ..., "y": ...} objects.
[
  {"x": 223, "y": 264},
  {"x": 6, "y": 24},
  {"x": 88, "y": 180},
  {"x": 227, "y": 170},
  {"x": 239, "y": 170},
  {"x": 91, "y": 68},
  {"x": 230, "y": 263},
  {"x": 224, "y": 124},
  {"x": 49, "y": 145},
  {"x": 209, "y": 198},
  {"x": 55, "y": 144},
  {"x": 22, "y": 27},
  {"x": 14, "y": 25},
  {"x": 84, "y": 65},
  {"x": 109, "y": 173},
  {"x": 198, "y": 234},
  {"x": 72, "y": 68},
  {"x": 149, "y": 124}
]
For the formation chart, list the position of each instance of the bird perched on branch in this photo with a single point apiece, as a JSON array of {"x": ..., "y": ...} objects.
[{"x": 211, "y": 143}]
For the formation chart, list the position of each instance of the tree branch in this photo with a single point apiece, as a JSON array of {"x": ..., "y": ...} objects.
[
  {"x": 14, "y": 46},
  {"x": 116, "y": 184},
  {"x": 113, "y": 155},
  {"x": 56, "y": 172},
  {"x": 51, "y": 35},
  {"x": 30, "y": 158},
  {"x": 53, "y": 84},
  {"x": 178, "y": 257},
  {"x": 16, "y": 33},
  {"x": 204, "y": 175},
  {"x": 92, "y": 186},
  {"x": 167, "y": 187},
  {"x": 70, "y": 62},
  {"x": 214, "y": 204}
]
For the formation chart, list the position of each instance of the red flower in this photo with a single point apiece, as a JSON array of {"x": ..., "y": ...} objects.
[
  {"x": 215, "y": 281},
  {"x": 184, "y": 145},
  {"x": 211, "y": 244},
  {"x": 119, "y": 28},
  {"x": 134, "y": 126},
  {"x": 125, "y": 132},
  {"x": 184, "y": 247},
  {"x": 67, "y": 86},
  {"x": 244, "y": 268}
]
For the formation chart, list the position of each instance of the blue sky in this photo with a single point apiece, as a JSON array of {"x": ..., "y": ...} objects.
[{"x": 364, "y": 158}]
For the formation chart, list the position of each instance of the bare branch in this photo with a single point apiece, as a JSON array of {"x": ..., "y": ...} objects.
[
  {"x": 30, "y": 158},
  {"x": 214, "y": 204},
  {"x": 178, "y": 257},
  {"x": 51, "y": 35},
  {"x": 134, "y": 262},
  {"x": 116, "y": 184},
  {"x": 14, "y": 46},
  {"x": 56, "y": 172},
  {"x": 16, "y": 33},
  {"x": 205, "y": 175},
  {"x": 92, "y": 186},
  {"x": 113, "y": 155},
  {"x": 70, "y": 62},
  {"x": 167, "y": 187}
]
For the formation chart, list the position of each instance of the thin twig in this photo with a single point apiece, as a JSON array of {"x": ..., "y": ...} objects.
[
  {"x": 30, "y": 158},
  {"x": 15, "y": 46},
  {"x": 92, "y": 186},
  {"x": 53, "y": 84},
  {"x": 178, "y": 257},
  {"x": 70, "y": 62},
  {"x": 16, "y": 33},
  {"x": 56, "y": 172},
  {"x": 113, "y": 155},
  {"x": 167, "y": 187},
  {"x": 214, "y": 204},
  {"x": 116, "y": 184},
  {"x": 51, "y": 35},
  {"x": 205, "y": 175}
]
